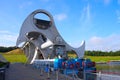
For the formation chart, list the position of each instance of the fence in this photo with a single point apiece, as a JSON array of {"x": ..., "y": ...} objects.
[
  {"x": 74, "y": 75},
  {"x": 101, "y": 76}
]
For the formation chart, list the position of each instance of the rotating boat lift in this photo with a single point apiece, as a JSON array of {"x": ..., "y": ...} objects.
[{"x": 40, "y": 39}]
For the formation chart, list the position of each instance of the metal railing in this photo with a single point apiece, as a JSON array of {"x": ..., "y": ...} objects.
[
  {"x": 101, "y": 76},
  {"x": 56, "y": 72},
  {"x": 81, "y": 75},
  {"x": 107, "y": 76}
]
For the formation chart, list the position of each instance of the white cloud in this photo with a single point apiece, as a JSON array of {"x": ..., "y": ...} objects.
[
  {"x": 86, "y": 18},
  {"x": 88, "y": 12},
  {"x": 118, "y": 15},
  {"x": 45, "y": 0},
  {"x": 109, "y": 43},
  {"x": 7, "y": 38},
  {"x": 96, "y": 40},
  {"x": 107, "y": 2},
  {"x": 23, "y": 5},
  {"x": 119, "y": 2},
  {"x": 60, "y": 17},
  {"x": 85, "y": 15}
]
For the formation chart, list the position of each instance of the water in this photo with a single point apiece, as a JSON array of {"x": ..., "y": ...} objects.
[
  {"x": 109, "y": 68},
  {"x": 105, "y": 71}
]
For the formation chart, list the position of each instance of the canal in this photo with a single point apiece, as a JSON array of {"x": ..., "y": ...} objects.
[
  {"x": 105, "y": 71},
  {"x": 109, "y": 68}
]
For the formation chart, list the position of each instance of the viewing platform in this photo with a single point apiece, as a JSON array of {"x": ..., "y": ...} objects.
[{"x": 19, "y": 71}]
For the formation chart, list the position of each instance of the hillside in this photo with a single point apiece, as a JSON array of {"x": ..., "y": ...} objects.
[
  {"x": 14, "y": 56},
  {"x": 15, "y": 51}
]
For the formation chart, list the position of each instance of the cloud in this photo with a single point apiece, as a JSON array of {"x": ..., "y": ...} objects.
[
  {"x": 85, "y": 15},
  {"x": 86, "y": 18},
  {"x": 45, "y": 0},
  {"x": 23, "y": 5},
  {"x": 88, "y": 12},
  {"x": 96, "y": 40},
  {"x": 107, "y": 2},
  {"x": 7, "y": 38},
  {"x": 118, "y": 15},
  {"x": 119, "y": 2},
  {"x": 60, "y": 17},
  {"x": 110, "y": 43}
]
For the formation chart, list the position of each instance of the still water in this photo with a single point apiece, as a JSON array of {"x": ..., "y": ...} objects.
[
  {"x": 109, "y": 68},
  {"x": 105, "y": 71}
]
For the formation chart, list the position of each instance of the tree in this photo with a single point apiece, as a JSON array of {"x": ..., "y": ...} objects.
[{"x": 6, "y": 49}]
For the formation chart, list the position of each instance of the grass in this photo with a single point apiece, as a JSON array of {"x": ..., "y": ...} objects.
[
  {"x": 18, "y": 56},
  {"x": 103, "y": 58},
  {"x": 15, "y": 56},
  {"x": 72, "y": 55},
  {"x": 98, "y": 58}
]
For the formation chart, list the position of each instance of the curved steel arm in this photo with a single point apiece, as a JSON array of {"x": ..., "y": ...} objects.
[{"x": 42, "y": 35}]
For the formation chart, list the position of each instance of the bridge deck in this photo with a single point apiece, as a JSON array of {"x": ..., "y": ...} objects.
[{"x": 20, "y": 71}]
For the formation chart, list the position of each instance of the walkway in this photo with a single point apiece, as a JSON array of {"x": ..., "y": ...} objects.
[{"x": 20, "y": 71}]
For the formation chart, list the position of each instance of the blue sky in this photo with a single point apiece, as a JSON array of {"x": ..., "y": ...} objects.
[{"x": 95, "y": 21}]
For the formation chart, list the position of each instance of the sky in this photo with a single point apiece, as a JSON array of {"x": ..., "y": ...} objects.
[{"x": 95, "y": 21}]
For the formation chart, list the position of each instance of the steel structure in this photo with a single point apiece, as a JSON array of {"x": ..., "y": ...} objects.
[{"x": 40, "y": 39}]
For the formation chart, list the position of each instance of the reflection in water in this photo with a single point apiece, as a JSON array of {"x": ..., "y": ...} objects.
[
  {"x": 109, "y": 68},
  {"x": 105, "y": 71}
]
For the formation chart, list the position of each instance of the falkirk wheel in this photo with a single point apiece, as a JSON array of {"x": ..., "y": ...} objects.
[{"x": 39, "y": 39}]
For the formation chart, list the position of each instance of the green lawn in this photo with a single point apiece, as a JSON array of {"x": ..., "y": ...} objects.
[
  {"x": 22, "y": 58},
  {"x": 15, "y": 58},
  {"x": 103, "y": 58},
  {"x": 98, "y": 58}
]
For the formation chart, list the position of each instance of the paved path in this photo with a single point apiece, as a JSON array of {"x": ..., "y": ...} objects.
[{"x": 20, "y": 71}]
